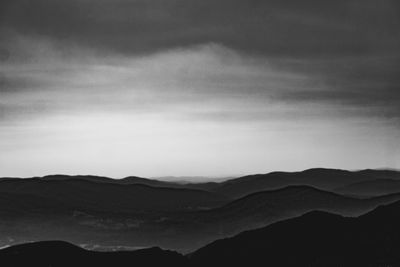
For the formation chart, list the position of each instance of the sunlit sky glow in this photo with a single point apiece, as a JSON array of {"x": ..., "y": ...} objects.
[{"x": 160, "y": 92}]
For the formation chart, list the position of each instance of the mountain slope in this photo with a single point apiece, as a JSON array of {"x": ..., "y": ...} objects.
[
  {"x": 327, "y": 179},
  {"x": 371, "y": 188},
  {"x": 263, "y": 208},
  {"x": 62, "y": 254},
  {"x": 29, "y": 217},
  {"x": 102, "y": 179},
  {"x": 314, "y": 239},
  {"x": 109, "y": 197}
]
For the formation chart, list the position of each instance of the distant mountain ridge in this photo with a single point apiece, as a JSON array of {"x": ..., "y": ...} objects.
[
  {"x": 326, "y": 179},
  {"x": 322, "y": 178}
]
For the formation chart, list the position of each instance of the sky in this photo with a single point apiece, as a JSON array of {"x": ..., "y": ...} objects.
[{"x": 198, "y": 87}]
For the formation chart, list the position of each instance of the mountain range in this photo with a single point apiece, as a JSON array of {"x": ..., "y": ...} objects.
[
  {"x": 313, "y": 239},
  {"x": 104, "y": 213}
]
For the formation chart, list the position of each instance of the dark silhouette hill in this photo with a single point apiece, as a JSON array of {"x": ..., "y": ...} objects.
[
  {"x": 371, "y": 187},
  {"x": 129, "y": 180},
  {"x": 294, "y": 200},
  {"x": 263, "y": 208},
  {"x": 314, "y": 239},
  {"x": 63, "y": 254},
  {"x": 97, "y": 211},
  {"x": 110, "y": 197},
  {"x": 327, "y": 179},
  {"x": 28, "y": 217},
  {"x": 102, "y": 179},
  {"x": 381, "y": 173}
]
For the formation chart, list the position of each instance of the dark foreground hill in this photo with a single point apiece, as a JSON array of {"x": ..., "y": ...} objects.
[
  {"x": 314, "y": 239},
  {"x": 62, "y": 254}
]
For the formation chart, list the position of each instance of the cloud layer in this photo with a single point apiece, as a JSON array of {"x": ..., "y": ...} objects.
[{"x": 231, "y": 79}]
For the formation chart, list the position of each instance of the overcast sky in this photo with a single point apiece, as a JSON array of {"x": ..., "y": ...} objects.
[{"x": 198, "y": 87}]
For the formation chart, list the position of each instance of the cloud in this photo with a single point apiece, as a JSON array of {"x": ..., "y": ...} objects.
[
  {"x": 275, "y": 28},
  {"x": 254, "y": 83},
  {"x": 157, "y": 55},
  {"x": 179, "y": 79},
  {"x": 209, "y": 82}
]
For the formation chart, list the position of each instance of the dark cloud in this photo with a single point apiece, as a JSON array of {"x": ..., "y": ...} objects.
[
  {"x": 349, "y": 48},
  {"x": 369, "y": 82},
  {"x": 272, "y": 27},
  {"x": 245, "y": 83}
]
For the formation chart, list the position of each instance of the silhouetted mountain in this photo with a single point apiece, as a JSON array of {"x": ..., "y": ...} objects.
[
  {"x": 381, "y": 173},
  {"x": 295, "y": 200},
  {"x": 96, "y": 212},
  {"x": 371, "y": 188},
  {"x": 62, "y": 254},
  {"x": 131, "y": 180},
  {"x": 263, "y": 208},
  {"x": 33, "y": 218},
  {"x": 327, "y": 179},
  {"x": 103, "y": 179},
  {"x": 315, "y": 239},
  {"x": 91, "y": 178},
  {"x": 110, "y": 197},
  {"x": 145, "y": 181}
]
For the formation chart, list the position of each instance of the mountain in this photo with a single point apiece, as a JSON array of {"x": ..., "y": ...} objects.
[
  {"x": 264, "y": 208},
  {"x": 327, "y": 179},
  {"x": 292, "y": 201},
  {"x": 99, "y": 213},
  {"x": 28, "y": 217},
  {"x": 371, "y": 188},
  {"x": 91, "y": 178},
  {"x": 63, "y": 254},
  {"x": 110, "y": 197},
  {"x": 314, "y": 239},
  {"x": 103, "y": 179},
  {"x": 159, "y": 182}
]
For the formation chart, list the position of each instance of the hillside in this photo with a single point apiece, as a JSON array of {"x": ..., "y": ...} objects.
[
  {"x": 62, "y": 254},
  {"x": 326, "y": 179},
  {"x": 371, "y": 187},
  {"x": 314, "y": 239},
  {"x": 110, "y": 197}
]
